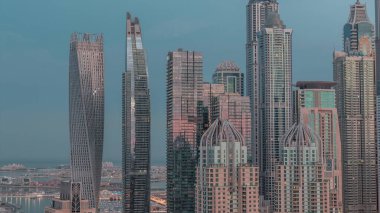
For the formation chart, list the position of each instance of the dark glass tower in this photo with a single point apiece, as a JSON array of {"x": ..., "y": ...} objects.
[
  {"x": 86, "y": 90},
  {"x": 184, "y": 99},
  {"x": 136, "y": 124}
]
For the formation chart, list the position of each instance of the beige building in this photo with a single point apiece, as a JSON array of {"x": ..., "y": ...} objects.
[
  {"x": 301, "y": 184},
  {"x": 226, "y": 182},
  {"x": 356, "y": 106}
]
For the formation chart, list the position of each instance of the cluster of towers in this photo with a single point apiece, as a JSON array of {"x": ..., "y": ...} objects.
[
  {"x": 277, "y": 149},
  {"x": 309, "y": 149}
]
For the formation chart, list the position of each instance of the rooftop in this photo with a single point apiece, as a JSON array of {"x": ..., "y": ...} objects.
[
  {"x": 227, "y": 66},
  {"x": 315, "y": 84},
  {"x": 221, "y": 131}
]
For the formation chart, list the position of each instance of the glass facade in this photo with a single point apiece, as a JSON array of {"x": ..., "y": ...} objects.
[
  {"x": 86, "y": 91},
  {"x": 135, "y": 123},
  {"x": 184, "y": 104}
]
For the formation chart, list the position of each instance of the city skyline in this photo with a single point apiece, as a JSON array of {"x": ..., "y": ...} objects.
[
  {"x": 236, "y": 140},
  {"x": 54, "y": 119}
]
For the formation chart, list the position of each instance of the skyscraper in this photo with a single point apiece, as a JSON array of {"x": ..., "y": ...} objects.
[
  {"x": 356, "y": 110},
  {"x": 315, "y": 107},
  {"x": 256, "y": 12},
  {"x": 377, "y": 43},
  {"x": 275, "y": 94},
  {"x": 226, "y": 182},
  {"x": 354, "y": 71},
  {"x": 184, "y": 99},
  {"x": 228, "y": 73},
  {"x": 86, "y": 90},
  {"x": 300, "y": 174},
  {"x": 136, "y": 123}
]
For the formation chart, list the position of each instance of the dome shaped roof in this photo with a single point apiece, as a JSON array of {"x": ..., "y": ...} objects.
[
  {"x": 300, "y": 135},
  {"x": 227, "y": 66},
  {"x": 221, "y": 131}
]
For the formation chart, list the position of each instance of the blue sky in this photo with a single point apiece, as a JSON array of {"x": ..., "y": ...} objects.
[{"x": 34, "y": 50}]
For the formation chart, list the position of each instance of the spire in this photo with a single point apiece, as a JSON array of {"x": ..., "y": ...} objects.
[{"x": 358, "y": 13}]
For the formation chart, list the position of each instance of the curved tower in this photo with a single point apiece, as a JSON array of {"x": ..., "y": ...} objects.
[
  {"x": 136, "y": 123},
  {"x": 86, "y": 90}
]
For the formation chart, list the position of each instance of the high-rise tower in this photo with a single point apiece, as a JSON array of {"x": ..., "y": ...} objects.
[
  {"x": 184, "y": 101},
  {"x": 315, "y": 107},
  {"x": 136, "y": 123},
  {"x": 275, "y": 94},
  {"x": 356, "y": 110},
  {"x": 354, "y": 72},
  {"x": 86, "y": 90},
  {"x": 256, "y": 12}
]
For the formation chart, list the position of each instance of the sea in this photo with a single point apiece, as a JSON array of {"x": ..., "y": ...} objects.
[{"x": 28, "y": 205}]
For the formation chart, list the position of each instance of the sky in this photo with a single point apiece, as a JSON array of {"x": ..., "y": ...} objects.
[{"x": 34, "y": 56}]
